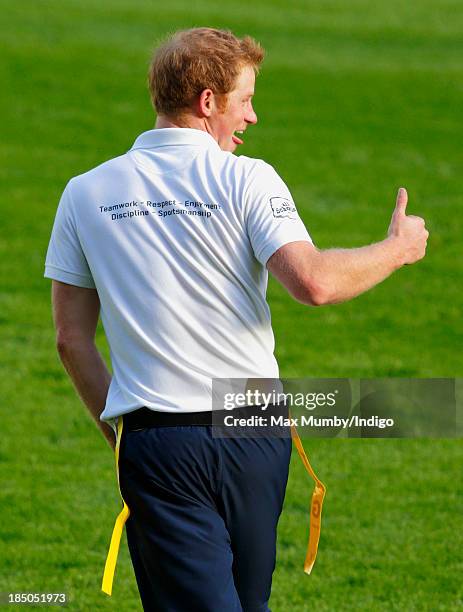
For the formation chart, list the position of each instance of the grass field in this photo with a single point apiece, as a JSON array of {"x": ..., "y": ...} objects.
[{"x": 353, "y": 100}]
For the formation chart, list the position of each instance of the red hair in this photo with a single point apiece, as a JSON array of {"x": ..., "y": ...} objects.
[{"x": 189, "y": 61}]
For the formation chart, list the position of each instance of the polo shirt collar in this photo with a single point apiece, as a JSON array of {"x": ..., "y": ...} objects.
[{"x": 164, "y": 137}]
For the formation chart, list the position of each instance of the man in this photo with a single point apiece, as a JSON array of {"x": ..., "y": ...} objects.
[{"x": 174, "y": 240}]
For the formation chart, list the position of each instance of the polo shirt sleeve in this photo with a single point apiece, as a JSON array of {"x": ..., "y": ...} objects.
[
  {"x": 65, "y": 260},
  {"x": 271, "y": 216}
]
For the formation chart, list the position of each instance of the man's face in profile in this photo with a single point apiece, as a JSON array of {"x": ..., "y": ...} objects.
[{"x": 238, "y": 113}]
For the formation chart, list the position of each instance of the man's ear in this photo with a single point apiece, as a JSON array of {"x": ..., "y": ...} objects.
[{"x": 206, "y": 102}]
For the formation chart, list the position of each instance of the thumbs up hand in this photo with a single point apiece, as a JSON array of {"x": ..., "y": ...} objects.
[{"x": 408, "y": 232}]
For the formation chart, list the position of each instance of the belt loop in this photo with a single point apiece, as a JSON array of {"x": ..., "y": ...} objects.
[
  {"x": 111, "y": 559},
  {"x": 315, "y": 506}
]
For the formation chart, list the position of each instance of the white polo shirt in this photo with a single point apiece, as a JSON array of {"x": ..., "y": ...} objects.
[{"x": 175, "y": 235}]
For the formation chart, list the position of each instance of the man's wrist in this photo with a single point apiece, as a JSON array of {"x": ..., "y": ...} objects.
[{"x": 393, "y": 244}]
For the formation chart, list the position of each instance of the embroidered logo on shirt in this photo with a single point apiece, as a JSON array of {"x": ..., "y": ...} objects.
[{"x": 282, "y": 207}]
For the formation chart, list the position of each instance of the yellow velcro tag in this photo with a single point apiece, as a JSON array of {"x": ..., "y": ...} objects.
[
  {"x": 315, "y": 506},
  {"x": 111, "y": 559}
]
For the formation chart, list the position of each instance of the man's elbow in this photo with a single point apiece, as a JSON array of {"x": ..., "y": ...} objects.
[
  {"x": 319, "y": 298},
  {"x": 312, "y": 293},
  {"x": 64, "y": 345},
  {"x": 69, "y": 341}
]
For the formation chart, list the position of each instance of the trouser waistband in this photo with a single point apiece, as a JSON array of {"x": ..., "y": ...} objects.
[{"x": 145, "y": 417}]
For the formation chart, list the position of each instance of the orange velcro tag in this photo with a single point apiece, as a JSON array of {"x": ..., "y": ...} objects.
[
  {"x": 315, "y": 506},
  {"x": 111, "y": 559}
]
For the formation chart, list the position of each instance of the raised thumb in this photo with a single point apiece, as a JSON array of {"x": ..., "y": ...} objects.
[{"x": 401, "y": 202}]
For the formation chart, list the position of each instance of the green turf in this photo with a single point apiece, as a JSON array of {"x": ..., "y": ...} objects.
[{"x": 354, "y": 99}]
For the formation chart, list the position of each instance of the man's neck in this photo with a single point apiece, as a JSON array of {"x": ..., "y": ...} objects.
[{"x": 185, "y": 121}]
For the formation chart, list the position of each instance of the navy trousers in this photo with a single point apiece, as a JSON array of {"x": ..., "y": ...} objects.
[{"x": 203, "y": 517}]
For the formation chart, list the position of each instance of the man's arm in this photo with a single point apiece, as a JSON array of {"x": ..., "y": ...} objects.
[
  {"x": 75, "y": 313},
  {"x": 336, "y": 275}
]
